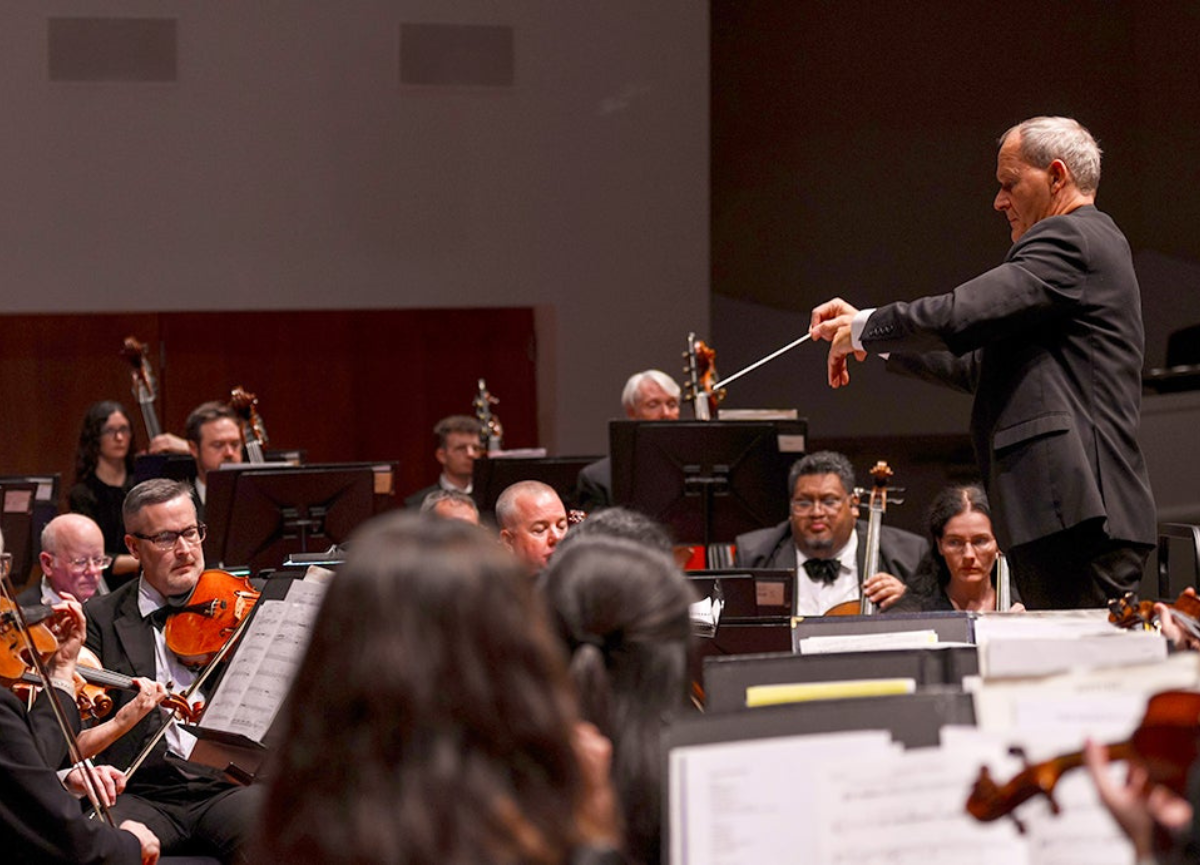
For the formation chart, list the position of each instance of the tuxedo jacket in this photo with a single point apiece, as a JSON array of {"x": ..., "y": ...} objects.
[
  {"x": 39, "y": 820},
  {"x": 1051, "y": 345},
  {"x": 124, "y": 642},
  {"x": 593, "y": 487},
  {"x": 900, "y": 552}
]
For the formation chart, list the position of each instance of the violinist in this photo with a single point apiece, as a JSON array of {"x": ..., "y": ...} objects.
[
  {"x": 825, "y": 544},
  {"x": 191, "y": 816},
  {"x": 72, "y": 561},
  {"x": 648, "y": 395},
  {"x": 39, "y": 820}
]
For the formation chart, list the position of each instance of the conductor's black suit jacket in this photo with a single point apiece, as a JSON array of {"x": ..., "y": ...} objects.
[{"x": 1051, "y": 345}]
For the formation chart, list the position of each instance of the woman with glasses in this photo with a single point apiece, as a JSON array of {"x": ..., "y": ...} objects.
[
  {"x": 103, "y": 475},
  {"x": 960, "y": 571}
]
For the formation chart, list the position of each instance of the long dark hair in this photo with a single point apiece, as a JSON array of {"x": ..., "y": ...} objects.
[
  {"x": 947, "y": 505},
  {"x": 88, "y": 452},
  {"x": 432, "y": 715},
  {"x": 622, "y": 610}
]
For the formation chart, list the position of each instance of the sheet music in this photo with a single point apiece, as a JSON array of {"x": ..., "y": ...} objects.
[
  {"x": 258, "y": 679},
  {"x": 867, "y": 642},
  {"x": 745, "y": 802}
]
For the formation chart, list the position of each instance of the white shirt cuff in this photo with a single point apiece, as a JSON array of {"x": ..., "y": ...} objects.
[{"x": 858, "y": 326}]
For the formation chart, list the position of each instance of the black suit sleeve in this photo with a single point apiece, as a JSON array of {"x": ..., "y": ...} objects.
[{"x": 39, "y": 820}]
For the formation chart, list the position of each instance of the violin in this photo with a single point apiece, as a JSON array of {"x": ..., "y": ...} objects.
[
  {"x": 143, "y": 383},
  {"x": 491, "y": 431},
  {"x": 254, "y": 433},
  {"x": 864, "y": 606},
  {"x": 1129, "y": 612},
  {"x": 198, "y": 630},
  {"x": 92, "y": 681},
  {"x": 1165, "y": 742},
  {"x": 701, "y": 374}
]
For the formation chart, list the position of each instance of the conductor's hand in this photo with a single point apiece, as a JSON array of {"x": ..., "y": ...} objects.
[
  {"x": 1172, "y": 629},
  {"x": 884, "y": 590},
  {"x": 148, "y": 840},
  {"x": 110, "y": 782},
  {"x": 831, "y": 321}
]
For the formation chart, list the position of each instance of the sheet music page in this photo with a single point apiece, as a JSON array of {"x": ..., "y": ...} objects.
[
  {"x": 755, "y": 801},
  {"x": 867, "y": 642},
  {"x": 263, "y": 667},
  {"x": 908, "y": 808},
  {"x": 1083, "y": 831}
]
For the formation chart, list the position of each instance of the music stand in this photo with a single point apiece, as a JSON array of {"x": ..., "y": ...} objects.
[
  {"x": 494, "y": 475},
  {"x": 258, "y": 515},
  {"x": 27, "y": 503},
  {"x": 709, "y": 481}
]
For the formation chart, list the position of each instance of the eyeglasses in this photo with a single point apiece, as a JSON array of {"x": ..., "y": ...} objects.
[
  {"x": 807, "y": 506},
  {"x": 114, "y": 431},
  {"x": 99, "y": 563},
  {"x": 167, "y": 540},
  {"x": 982, "y": 543}
]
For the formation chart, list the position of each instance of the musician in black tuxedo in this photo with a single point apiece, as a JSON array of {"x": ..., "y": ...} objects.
[
  {"x": 822, "y": 542},
  {"x": 1051, "y": 345},
  {"x": 39, "y": 820},
  {"x": 190, "y": 815}
]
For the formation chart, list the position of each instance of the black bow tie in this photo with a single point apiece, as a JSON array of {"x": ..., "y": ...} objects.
[
  {"x": 822, "y": 570},
  {"x": 158, "y": 618}
]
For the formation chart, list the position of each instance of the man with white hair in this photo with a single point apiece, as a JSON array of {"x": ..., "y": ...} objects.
[
  {"x": 648, "y": 395},
  {"x": 72, "y": 560},
  {"x": 1051, "y": 344}
]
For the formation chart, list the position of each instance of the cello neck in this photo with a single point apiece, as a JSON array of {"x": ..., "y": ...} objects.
[{"x": 878, "y": 504}]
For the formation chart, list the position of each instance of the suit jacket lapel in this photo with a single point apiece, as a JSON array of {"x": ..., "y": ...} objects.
[{"x": 135, "y": 637}]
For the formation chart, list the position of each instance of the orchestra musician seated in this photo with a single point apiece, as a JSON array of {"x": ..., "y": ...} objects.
[
  {"x": 648, "y": 395},
  {"x": 458, "y": 446},
  {"x": 960, "y": 570},
  {"x": 451, "y": 505},
  {"x": 446, "y": 729},
  {"x": 39, "y": 820},
  {"x": 532, "y": 520},
  {"x": 214, "y": 438},
  {"x": 189, "y": 814},
  {"x": 621, "y": 607},
  {"x": 825, "y": 545},
  {"x": 103, "y": 475},
  {"x": 72, "y": 560}
]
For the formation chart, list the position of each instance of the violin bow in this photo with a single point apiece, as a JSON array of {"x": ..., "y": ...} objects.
[
  {"x": 186, "y": 697},
  {"x": 85, "y": 767}
]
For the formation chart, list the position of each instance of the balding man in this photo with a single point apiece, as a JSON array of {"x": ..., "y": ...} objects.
[
  {"x": 72, "y": 560},
  {"x": 532, "y": 521},
  {"x": 1050, "y": 342},
  {"x": 648, "y": 395}
]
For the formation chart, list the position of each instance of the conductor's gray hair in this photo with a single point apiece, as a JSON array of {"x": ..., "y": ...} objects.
[{"x": 1045, "y": 139}]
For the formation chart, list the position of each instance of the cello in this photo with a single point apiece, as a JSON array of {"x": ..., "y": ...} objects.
[
  {"x": 491, "y": 431},
  {"x": 144, "y": 387},
  {"x": 864, "y": 606},
  {"x": 701, "y": 371}
]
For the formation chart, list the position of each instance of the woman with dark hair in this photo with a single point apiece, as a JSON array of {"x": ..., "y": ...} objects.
[
  {"x": 432, "y": 720},
  {"x": 103, "y": 475},
  {"x": 959, "y": 571},
  {"x": 622, "y": 610}
]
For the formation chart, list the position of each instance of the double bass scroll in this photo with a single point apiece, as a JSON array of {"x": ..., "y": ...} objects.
[{"x": 254, "y": 432}]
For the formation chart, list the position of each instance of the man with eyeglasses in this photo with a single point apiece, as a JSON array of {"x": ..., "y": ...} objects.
[
  {"x": 72, "y": 560},
  {"x": 191, "y": 816},
  {"x": 825, "y": 545}
]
